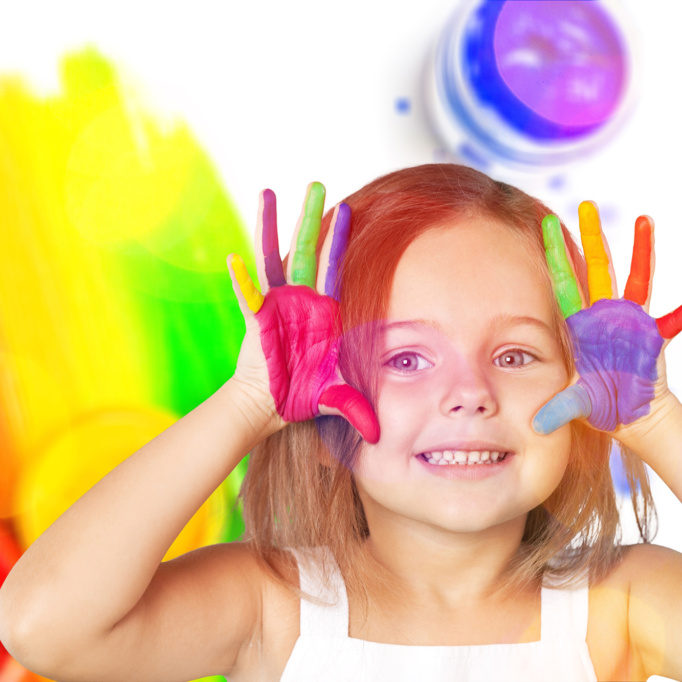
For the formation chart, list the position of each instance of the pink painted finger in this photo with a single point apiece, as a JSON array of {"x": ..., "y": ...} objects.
[
  {"x": 268, "y": 261},
  {"x": 638, "y": 287},
  {"x": 349, "y": 403},
  {"x": 670, "y": 325}
]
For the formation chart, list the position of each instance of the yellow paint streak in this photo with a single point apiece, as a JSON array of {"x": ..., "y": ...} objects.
[
  {"x": 66, "y": 346},
  {"x": 80, "y": 172},
  {"x": 254, "y": 299}
]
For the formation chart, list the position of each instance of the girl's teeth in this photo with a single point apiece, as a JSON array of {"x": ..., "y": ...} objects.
[{"x": 473, "y": 457}]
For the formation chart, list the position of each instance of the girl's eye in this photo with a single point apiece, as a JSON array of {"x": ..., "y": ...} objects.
[
  {"x": 408, "y": 362},
  {"x": 514, "y": 359}
]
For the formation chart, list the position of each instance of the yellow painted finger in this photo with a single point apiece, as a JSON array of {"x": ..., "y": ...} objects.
[
  {"x": 253, "y": 298},
  {"x": 599, "y": 276}
]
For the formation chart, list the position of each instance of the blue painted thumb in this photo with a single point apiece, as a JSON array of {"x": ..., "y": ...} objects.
[{"x": 572, "y": 403}]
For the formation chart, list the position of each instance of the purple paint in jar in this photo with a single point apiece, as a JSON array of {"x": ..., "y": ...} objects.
[
  {"x": 565, "y": 61},
  {"x": 531, "y": 83}
]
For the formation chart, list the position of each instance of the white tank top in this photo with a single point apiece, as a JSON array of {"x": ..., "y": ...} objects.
[{"x": 325, "y": 653}]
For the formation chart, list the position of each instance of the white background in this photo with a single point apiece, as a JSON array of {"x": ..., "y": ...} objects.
[{"x": 282, "y": 93}]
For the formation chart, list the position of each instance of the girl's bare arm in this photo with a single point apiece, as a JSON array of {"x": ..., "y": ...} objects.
[
  {"x": 622, "y": 388},
  {"x": 91, "y": 600},
  {"x": 655, "y": 573}
]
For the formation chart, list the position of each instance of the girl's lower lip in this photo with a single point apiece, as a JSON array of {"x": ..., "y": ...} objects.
[{"x": 466, "y": 472}]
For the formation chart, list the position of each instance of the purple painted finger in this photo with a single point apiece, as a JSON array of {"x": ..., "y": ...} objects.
[
  {"x": 616, "y": 345},
  {"x": 341, "y": 227},
  {"x": 270, "y": 242}
]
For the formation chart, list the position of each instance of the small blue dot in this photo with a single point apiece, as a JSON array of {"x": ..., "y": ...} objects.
[
  {"x": 557, "y": 182},
  {"x": 403, "y": 105}
]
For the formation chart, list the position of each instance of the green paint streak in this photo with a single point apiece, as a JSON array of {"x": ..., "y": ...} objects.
[
  {"x": 565, "y": 285},
  {"x": 304, "y": 265},
  {"x": 173, "y": 278}
]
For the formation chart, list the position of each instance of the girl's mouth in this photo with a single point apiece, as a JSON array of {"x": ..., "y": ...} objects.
[{"x": 464, "y": 457}]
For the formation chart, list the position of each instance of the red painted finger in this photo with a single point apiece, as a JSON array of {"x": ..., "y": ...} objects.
[
  {"x": 670, "y": 325},
  {"x": 638, "y": 286},
  {"x": 355, "y": 409}
]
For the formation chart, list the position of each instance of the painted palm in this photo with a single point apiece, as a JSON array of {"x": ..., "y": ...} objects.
[{"x": 617, "y": 345}]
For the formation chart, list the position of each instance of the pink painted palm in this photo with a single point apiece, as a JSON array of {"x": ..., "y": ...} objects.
[{"x": 296, "y": 318}]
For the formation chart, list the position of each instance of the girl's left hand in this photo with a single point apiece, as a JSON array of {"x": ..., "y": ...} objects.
[{"x": 618, "y": 347}]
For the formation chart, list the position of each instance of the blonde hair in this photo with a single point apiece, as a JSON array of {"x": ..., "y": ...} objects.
[{"x": 299, "y": 490}]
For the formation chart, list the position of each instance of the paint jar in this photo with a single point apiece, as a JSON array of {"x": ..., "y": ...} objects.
[{"x": 531, "y": 84}]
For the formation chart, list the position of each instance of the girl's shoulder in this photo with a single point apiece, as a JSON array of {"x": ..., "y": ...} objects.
[
  {"x": 655, "y": 608},
  {"x": 279, "y": 625},
  {"x": 634, "y": 615}
]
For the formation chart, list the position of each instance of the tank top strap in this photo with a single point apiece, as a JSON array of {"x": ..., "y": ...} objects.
[
  {"x": 564, "y": 614},
  {"x": 330, "y": 616}
]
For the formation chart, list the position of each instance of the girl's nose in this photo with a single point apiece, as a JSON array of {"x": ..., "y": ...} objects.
[{"x": 469, "y": 393}]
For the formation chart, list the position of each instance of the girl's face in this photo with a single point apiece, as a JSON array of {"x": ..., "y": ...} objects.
[{"x": 468, "y": 356}]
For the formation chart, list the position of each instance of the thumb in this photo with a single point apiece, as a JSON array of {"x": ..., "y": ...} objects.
[
  {"x": 345, "y": 401},
  {"x": 572, "y": 403}
]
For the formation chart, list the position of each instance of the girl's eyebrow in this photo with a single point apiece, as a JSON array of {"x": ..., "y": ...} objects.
[
  {"x": 412, "y": 324},
  {"x": 506, "y": 320},
  {"x": 501, "y": 320}
]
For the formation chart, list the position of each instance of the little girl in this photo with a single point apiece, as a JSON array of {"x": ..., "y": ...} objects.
[{"x": 428, "y": 495}]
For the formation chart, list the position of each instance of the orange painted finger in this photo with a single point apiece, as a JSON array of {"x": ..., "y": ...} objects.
[
  {"x": 670, "y": 325},
  {"x": 638, "y": 287},
  {"x": 600, "y": 278}
]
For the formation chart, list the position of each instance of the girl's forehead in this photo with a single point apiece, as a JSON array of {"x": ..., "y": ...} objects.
[{"x": 476, "y": 266}]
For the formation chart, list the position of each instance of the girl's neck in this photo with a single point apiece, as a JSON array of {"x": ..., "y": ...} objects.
[{"x": 433, "y": 566}]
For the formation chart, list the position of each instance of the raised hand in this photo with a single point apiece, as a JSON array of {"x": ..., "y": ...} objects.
[
  {"x": 618, "y": 346},
  {"x": 296, "y": 318}
]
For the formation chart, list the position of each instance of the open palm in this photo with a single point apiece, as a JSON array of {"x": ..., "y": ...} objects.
[{"x": 618, "y": 347}]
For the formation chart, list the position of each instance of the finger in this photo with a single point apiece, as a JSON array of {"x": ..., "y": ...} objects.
[
  {"x": 249, "y": 298},
  {"x": 670, "y": 325},
  {"x": 560, "y": 267},
  {"x": 638, "y": 287},
  {"x": 268, "y": 261},
  {"x": 303, "y": 265},
  {"x": 572, "y": 403},
  {"x": 345, "y": 401},
  {"x": 333, "y": 250},
  {"x": 601, "y": 278}
]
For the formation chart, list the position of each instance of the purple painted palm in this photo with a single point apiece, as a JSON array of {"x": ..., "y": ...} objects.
[
  {"x": 616, "y": 343},
  {"x": 616, "y": 346}
]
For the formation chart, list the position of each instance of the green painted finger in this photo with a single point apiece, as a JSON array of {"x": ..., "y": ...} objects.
[
  {"x": 304, "y": 264},
  {"x": 565, "y": 285}
]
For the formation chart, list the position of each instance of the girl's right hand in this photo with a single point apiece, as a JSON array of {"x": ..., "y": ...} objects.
[{"x": 289, "y": 357}]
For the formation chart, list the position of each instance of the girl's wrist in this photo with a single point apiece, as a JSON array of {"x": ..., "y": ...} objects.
[
  {"x": 650, "y": 432},
  {"x": 255, "y": 406},
  {"x": 657, "y": 440}
]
